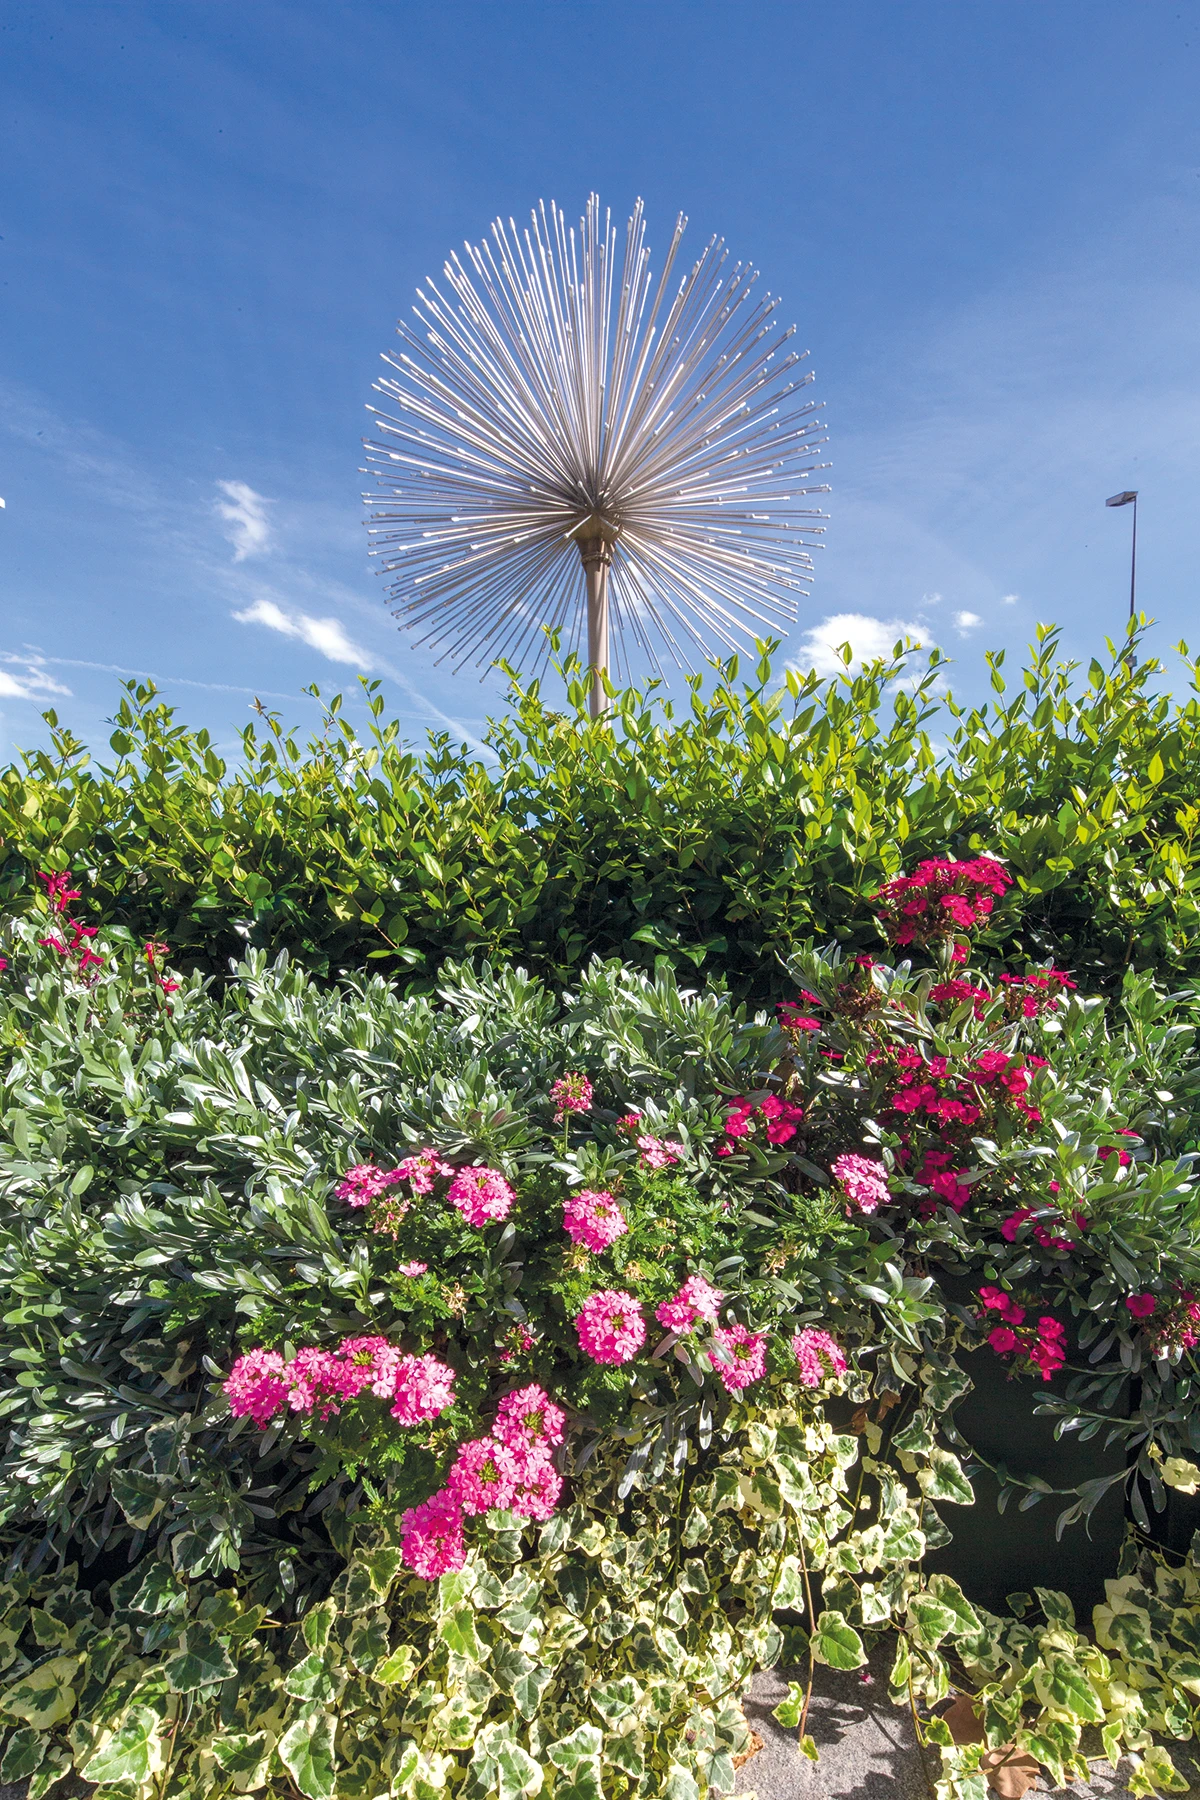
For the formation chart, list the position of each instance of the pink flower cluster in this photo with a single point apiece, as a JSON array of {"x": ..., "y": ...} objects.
[
  {"x": 945, "y": 1184},
  {"x": 697, "y": 1299},
  {"x": 1123, "y": 1157},
  {"x": 958, "y": 990},
  {"x": 481, "y": 1195},
  {"x": 512, "y": 1469},
  {"x": 610, "y": 1327},
  {"x": 778, "y": 1118},
  {"x": 963, "y": 1097},
  {"x": 1043, "y": 1346},
  {"x": 592, "y": 1218},
  {"x": 940, "y": 898},
  {"x": 261, "y": 1385},
  {"x": 571, "y": 1094},
  {"x": 60, "y": 894},
  {"x": 863, "y": 1182},
  {"x": 656, "y": 1153},
  {"x": 741, "y": 1356},
  {"x": 818, "y": 1356}
]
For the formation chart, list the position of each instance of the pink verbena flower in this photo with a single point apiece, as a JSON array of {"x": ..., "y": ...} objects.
[
  {"x": 610, "y": 1327},
  {"x": 363, "y": 1182},
  {"x": 412, "y": 1269},
  {"x": 593, "y": 1218},
  {"x": 658, "y": 1153},
  {"x": 431, "y": 1537},
  {"x": 319, "y": 1381},
  {"x": 256, "y": 1386},
  {"x": 1141, "y": 1305},
  {"x": 481, "y": 1195},
  {"x": 528, "y": 1419},
  {"x": 484, "y": 1475},
  {"x": 424, "y": 1388},
  {"x": 422, "y": 1170},
  {"x": 818, "y": 1356},
  {"x": 539, "y": 1485},
  {"x": 747, "y": 1356},
  {"x": 863, "y": 1181},
  {"x": 696, "y": 1299},
  {"x": 371, "y": 1362},
  {"x": 571, "y": 1094}
]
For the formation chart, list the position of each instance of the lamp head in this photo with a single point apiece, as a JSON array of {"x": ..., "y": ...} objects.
[{"x": 1122, "y": 499}]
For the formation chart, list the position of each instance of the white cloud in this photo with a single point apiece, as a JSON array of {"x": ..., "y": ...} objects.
[
  {"x": 1011, "y": 599},
  {"x": 325, "y": 635},
  {"x": 868, "y": 638},
  {"x": 32, "y": 683},
  {"x": 244, "y": 512},
  {"x": 931, "y": 599},
  {"x": 966, "y": 622}
]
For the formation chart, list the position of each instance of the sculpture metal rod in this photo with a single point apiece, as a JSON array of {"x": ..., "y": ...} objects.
[{"x": 597, "y": 555}]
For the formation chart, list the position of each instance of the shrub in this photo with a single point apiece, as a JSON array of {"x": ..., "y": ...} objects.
[
  {"x": 207, "y": 1598},
  {"x": 722, "y": 833}
]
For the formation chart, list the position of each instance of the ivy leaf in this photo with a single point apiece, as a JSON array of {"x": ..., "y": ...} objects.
[
  {"x": 1059, "y": 1683},
  {"x": 458, "y": 1630},
  {"x": 1156, "y": 1773},
  {"x": 45, "y": 1695},
  {"x": 947, "y": 1591},
  {"x": 131, "y": 1754},
  {"x": 367, "y": 1642},
  {"x": 140, "y": 1495},
  {"x": 942, "y": 1478},
  {"x": 836, "y": 1643},
  {"x": 584, "y": 1742},
  {"x": 317, "y": 1677},
  {"x": 243, "y": 1753},
  {"x": 789, "y": 1712},
  {"x": 399, "y": 1668},
  {"x": 318, "y": 1623},
  {"x": 23, "y": 1753},
  {"x": 615, "y": 1700},
  {"x": 930, "y": 1620},
  {"x": 306, "y": 1751},
  {"x": 202, "y": 1662},
  {"x": 680, "y": 1784}
]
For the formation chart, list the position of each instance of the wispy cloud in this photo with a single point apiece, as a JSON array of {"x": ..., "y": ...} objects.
[
  {"x": 245, "y": 515},
  {"x": 1011, "y": 599},
  {"x": 25, "y": 678},
  {"x": 326, "y": 635},
  {"x": 868, "y": 638},
  {"x": 966, "y": 622}
]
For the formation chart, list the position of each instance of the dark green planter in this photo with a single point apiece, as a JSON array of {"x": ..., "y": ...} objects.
[{"x": 995, "y": 1554}]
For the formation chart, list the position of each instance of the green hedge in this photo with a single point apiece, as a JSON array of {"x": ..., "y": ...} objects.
[{"x": 722, "y": 832}]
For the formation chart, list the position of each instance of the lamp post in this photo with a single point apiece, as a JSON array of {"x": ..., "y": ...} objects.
[{"x": 1127, "y": 498}]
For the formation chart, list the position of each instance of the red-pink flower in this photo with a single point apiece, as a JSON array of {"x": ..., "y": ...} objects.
[
  {"x": 431, "y": 1537},
  {"x": 422, "y": 1170},
  {"x": 363, "y": 1182},
  {"x": 571, "y": 1094},
  {"x": 528, "y": 1419},
  {"x": 592, "y": 1217},
  {"x": 412, "y": 1269},
  {"x": 256, "y": 1386},
  {"x": 1141, "y": 1305},
  {"x": 658, "y": 1153},
  {"x": 481, "y": 1195},
  {"x": 1003, "y": 1339},
  {"x": 424, "y": 1388},
  {"x": 697, "y": 1299},
  {"x": 818, "y": 1356},
  {"x": 610, "y": 1327},
  {"x": 539, "y": 1485},
  {"x": 745, "y": 1359},
  {"x": 484, "y": 1475}
]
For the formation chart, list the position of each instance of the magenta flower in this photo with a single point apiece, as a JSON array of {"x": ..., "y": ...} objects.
[
  {"x": 571, "y": 1094},
  {"x": 747, "y": 1357},
  {"x": 481, "y": 1195},
  {"x": 431, "y": 1537},
  {"x": 363, "y": 1182},
  {"x": 593, "y": 1218},
  {"x": 256, "y": 1386},
  {"x": 610, "y": 1327},
  {"x": 528, "y": 1420},
  {"x": 538, "y": 1487},
  {"x": 863, "y": 1181},
  {"x": 422, "y": 1170},
  {"x": 484, "y": 1474},
  {"x": 424, "y": 1388},
  {"x": 696, "y": 1299},
  {"x": 818, "y": 1356},
  {"x": 1141, "y": 1305},
  {"x": 657, "y": 1154}
]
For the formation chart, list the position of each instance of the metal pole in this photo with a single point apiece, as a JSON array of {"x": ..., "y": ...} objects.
[
  {"x": 597, "y": 555},
  {"x": 1133, "y": 566}
]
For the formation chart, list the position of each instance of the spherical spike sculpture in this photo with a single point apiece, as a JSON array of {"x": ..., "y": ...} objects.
[{"x": 574, "y": 441}]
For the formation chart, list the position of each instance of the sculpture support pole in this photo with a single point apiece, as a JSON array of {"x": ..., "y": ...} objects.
[{"x": 597, "y": 555}]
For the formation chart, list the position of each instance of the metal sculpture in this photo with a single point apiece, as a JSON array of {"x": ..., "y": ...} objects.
[{"x": 574, "y": 441}]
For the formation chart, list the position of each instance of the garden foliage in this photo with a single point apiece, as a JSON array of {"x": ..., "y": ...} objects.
[
  {"x": 721, "y": 832},
  {"x": 214, "y": 1564}
]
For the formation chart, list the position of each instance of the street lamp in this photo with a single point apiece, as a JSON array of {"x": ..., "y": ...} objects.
[{"x": 1125, "y": 499}]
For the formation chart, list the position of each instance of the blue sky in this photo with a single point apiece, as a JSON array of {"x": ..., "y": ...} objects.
[{"x": 984, "y": 218}]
